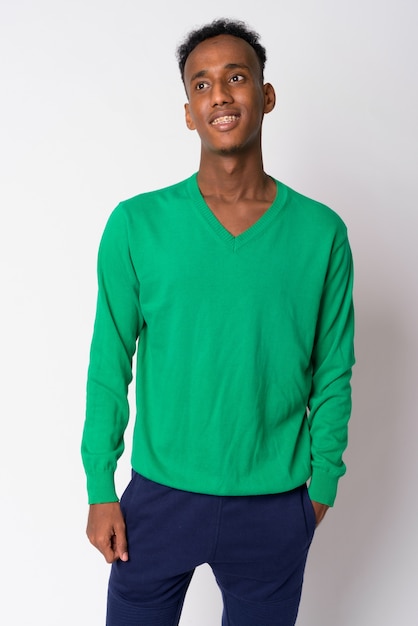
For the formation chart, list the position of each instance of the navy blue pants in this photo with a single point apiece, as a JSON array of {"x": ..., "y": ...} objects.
[{"x": 256, "y": 546}]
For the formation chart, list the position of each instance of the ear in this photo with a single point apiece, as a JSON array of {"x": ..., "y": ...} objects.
[
  {"x": 269, "y": 97},
  {"x": 189, "y": 122}
]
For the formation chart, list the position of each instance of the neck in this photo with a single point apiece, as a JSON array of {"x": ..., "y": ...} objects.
[{"x": 230, "y": 175}]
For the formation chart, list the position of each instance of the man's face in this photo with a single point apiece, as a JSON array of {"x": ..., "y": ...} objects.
[{"x": 227, "y": 98}]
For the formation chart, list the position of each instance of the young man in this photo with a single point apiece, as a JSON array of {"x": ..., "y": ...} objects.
[{"x": 238, "y": 290}]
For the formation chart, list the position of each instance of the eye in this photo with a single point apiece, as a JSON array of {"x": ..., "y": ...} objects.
[
  {"x": 236, "y": 78},
  {"x": 200, "y": 86}
]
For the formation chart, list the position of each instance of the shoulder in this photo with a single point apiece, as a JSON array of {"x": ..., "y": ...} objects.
[
  {"x": 156, "y": 199},
  {"x": 312, "y": 209},
  {"x": 312, "y": 215},
  {"x": 132, "y": 214}
]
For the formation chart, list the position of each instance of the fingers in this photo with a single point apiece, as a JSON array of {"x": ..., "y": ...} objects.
[
  {"x": 104, "y": 541},
  {"x": 106, "y": 547},
  {"x": 120, "y": 545}
]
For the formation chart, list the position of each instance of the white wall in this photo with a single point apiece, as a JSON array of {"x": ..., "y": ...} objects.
[{"x": 91, "y": 113}]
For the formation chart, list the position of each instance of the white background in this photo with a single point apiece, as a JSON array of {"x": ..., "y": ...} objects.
[{"x": 92, "y": 113}]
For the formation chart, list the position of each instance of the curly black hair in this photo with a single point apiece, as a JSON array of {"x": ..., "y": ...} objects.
[{"x": 222, "y": 26}]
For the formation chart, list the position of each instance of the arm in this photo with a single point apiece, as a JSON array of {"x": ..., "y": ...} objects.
[
  {"x": 116, "y": 329},
  {"x": 332, "y": 361}
]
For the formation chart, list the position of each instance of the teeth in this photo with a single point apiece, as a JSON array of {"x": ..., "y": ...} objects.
[{"x": 226, "y": 119}]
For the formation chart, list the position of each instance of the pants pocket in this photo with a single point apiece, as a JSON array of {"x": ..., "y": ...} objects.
[{"x": 310, "y": 518}]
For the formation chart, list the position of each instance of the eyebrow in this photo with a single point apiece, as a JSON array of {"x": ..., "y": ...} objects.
[{"x": 228, "y": 66}]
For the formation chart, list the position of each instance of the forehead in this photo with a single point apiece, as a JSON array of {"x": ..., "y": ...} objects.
[{"x": 218, "y": 52}]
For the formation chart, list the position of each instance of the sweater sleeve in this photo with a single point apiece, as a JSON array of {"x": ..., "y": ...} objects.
[
  {"x": 332, "y": 361},
  {"x": 116, "y": 329}
]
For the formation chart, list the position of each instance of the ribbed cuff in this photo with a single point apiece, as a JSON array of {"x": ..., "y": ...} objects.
[
  {"x": 101, "y": 488},
  {"x": 323, "y": 487}
]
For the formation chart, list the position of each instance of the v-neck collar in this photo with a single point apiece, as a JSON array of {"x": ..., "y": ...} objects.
[{"x": 236, "y": 241}]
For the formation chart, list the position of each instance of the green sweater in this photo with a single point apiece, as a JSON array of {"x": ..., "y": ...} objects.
[{"x": 245, "y": 347}]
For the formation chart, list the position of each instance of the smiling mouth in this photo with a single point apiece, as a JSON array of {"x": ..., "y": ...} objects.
[{"x": 225, "y": 119}]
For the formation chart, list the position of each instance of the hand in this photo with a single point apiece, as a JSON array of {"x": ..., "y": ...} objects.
[
  {"x": 106, "y": 531},
  {"x": 320, "y": 510}
]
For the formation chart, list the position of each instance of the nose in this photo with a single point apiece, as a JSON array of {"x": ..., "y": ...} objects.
[{"x": 221, "y": 94}]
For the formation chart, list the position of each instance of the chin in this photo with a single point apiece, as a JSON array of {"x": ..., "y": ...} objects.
[{"x": 230, "y": 150}]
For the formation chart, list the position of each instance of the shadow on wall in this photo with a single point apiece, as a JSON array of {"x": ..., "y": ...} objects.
[{"x": 341, "y": 567}]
